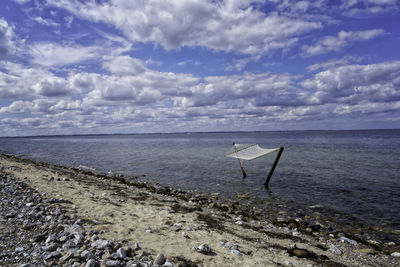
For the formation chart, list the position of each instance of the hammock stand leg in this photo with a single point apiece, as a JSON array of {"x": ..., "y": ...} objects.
[
  {"x": 274, "y": 165},
  {"x": 240, "y": 162}
]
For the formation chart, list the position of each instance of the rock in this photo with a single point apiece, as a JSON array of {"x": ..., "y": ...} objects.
[
  {"x": 395, "y": 254},
  {"x": 121, "y": 253},
  {"x": 334, "y": 249},
  {"x": 100, "y": 244},
  {"x": 55, "y": 254},
  {"x": 63, "y": 239},
  {"x": 19, "y": 249},
  {"x": 347, "y": 240},
  {"x": 204, "y": 249},
  {"x": 26, "y": 265},
  {"x": 50, "y": 239},
  {"x": 160, "y": 259},
  {"x": 86, "y": 255},
  {"x": 78, "y": 236},
  {"x": 112, "y": 263},
  {"x": 300, "y": 253},
  {"x": 136, "y": 246},
  {"x": 185, "y": 235},
  {"x": 48, "y": 248},
  {"x": 367, "y": 251},
  {"x": 178, "y": 225},
  {"x": 168, "y": 264},
  {"x": 236, "y": 252},
  {"x": 90, "y": 263}
]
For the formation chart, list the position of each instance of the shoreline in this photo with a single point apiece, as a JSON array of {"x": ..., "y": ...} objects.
[{"x": 157, "y": 216}]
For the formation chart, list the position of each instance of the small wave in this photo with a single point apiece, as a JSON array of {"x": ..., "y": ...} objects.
[{"x": 86, "y": 168}]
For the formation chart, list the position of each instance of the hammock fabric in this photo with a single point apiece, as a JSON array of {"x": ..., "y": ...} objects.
[{"x": 249, "y": 152}]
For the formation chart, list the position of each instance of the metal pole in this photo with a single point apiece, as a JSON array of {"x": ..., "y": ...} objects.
[
  {"x": 274, "y": 165},
  {"x": 240, "y": 162}
]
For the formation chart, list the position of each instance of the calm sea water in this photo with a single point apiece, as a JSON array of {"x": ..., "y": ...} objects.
[{"x": 351, "y": 172}]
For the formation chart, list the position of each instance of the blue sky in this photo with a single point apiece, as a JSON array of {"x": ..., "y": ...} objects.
[{"x": 122, "y": 66}]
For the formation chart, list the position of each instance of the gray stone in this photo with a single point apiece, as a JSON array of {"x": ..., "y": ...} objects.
[
  {"x": 160, "y": 259},
  {"x": 395, "y": 254},
  {"x": 100, "y": 244},
  {"x": 55, "y": 254},
  {"x": 63, "y": 238},
  {"x": 334, "y": 249},
  {"x": 112, "y": 263},
  {"x": 121, "y": 253},
  {"x": 86, "y": 254},
  {"x": 19, "y": 249},
  {"x": 90, "y": 263},
  {"x": 348, "y": 240},
  {"x": 136, "y": 246},
  {"x": 204, "y": 249},
  {"x": 50, "y": 239},
  {"x": 26, "y": 265},
  {"x": 78, "y": 236},
  {"x": 168, "y": 264},
  {"x": 236, "y": 252}
]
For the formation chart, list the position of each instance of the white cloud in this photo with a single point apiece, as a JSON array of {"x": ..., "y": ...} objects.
[
  {"x": 125, "y": 65},
  {"x": 46, "y": 22},
  {"x": 353, "y": 83},
  {"x": 336, "y": 62},
  {"x": 19, "y": 82},
  {"x": 228, "y": 26},
  {"x": 68, "y": 21},
  {"x": 367, "y": 7},
  {"x": 52, "y": 54},
  {"x": 6, "y": 39},
  {"x": 343, "y": 39}
]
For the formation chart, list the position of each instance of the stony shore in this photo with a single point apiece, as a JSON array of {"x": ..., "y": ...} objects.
[{"x": 57, "y": 216}]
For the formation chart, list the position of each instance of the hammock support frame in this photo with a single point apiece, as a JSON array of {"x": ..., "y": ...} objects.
[
  {"x": 271, "y": 171},
  {"x": 254, "y": 151}
]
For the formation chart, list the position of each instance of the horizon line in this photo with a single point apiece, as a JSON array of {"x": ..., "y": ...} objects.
[{"x": 198, "y": 132}]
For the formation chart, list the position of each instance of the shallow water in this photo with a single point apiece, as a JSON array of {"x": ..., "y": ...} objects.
[{"x": 355, "y": 173}]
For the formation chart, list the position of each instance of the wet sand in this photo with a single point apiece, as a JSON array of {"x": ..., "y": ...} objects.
[{"x": 172, "y": 222}]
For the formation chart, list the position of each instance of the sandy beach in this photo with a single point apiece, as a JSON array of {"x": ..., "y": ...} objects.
[{"x": 167, "y": 221}]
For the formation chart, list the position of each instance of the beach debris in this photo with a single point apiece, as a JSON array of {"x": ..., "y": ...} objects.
[
  {"x": 347, "y": 240},
  {"x": 148, "y": 229},
  {"x": 204, "y": 249}
]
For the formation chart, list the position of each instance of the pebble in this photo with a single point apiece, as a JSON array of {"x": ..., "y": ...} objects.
[
  {"x": 49, "y": 237},
  {"x": 112, "y": 263},
  {"x": 100, "y": 244},
  {"x": 334, "y": 249},
  {"x": 236, "y": 252},
  {"x": 204, "y": 249},
  {"x": 347, "y": 240},
  {"x": 301, "y": 253},
  {"x": 160, "y": 259},
  {"x": 90, "y": 263},
  {"x": 395, "y": 254},
  {"x": 368, "y": 251},
  {"x": 121, "y": 253}
]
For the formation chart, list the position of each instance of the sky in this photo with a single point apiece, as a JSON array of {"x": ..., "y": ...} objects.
[{"x": 124, "y": 66}]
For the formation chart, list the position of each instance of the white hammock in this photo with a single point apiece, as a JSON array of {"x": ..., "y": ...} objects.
[{"x": 249, "y": 152}]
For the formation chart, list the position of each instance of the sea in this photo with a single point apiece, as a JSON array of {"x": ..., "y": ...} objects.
[{"x": 353, "y": 174}]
